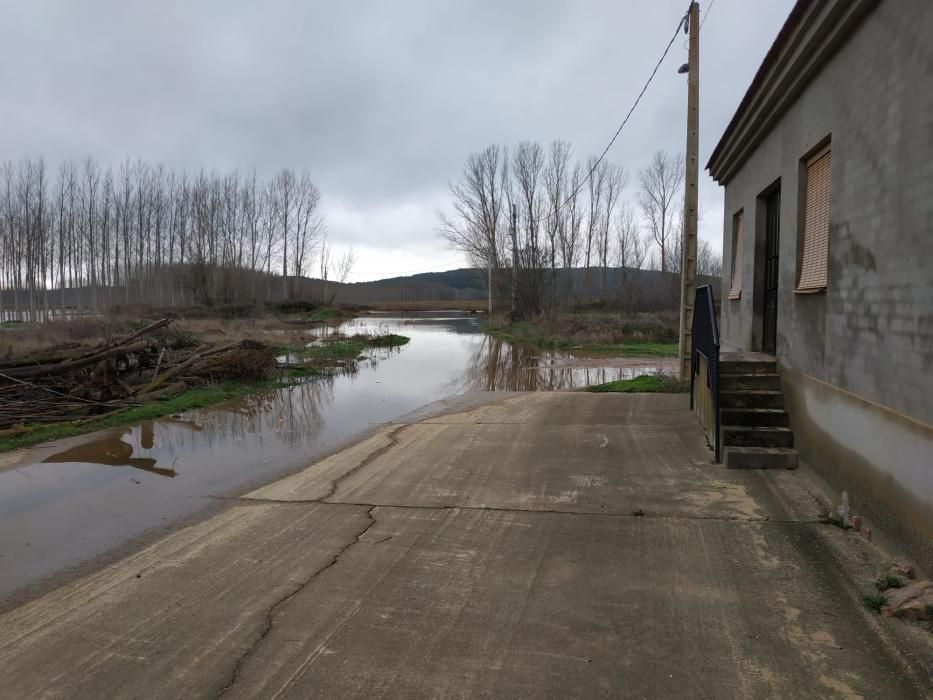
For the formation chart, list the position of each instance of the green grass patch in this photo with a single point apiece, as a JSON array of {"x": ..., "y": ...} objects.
[
  {"x": 330, "y": 313},
  {"x": 197, "y": 397},
  {"x": 875, "y": 601},
  {"x": 332, "y": 351},
  {"x": 389, "y": 340},
  {"x": 341, "y": 349},
  {"x": 646, "y": 383}
]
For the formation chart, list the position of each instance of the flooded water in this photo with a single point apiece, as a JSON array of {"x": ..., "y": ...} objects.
[{"x": 69, "y": 503}]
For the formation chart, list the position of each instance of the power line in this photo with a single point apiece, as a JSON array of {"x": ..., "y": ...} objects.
[
  {"x": 599, "y": 160},
  {"x": 706, "y": 14}
]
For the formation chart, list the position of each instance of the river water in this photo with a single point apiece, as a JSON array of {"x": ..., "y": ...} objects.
[{"x": 67, "y": 506}]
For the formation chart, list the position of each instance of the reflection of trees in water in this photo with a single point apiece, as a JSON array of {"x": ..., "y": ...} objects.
[
  {"x": 291, "y": 414},
  {"x": 497, "y": 365}
]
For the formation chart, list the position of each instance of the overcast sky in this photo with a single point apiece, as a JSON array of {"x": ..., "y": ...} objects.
[{"x": 381, "y": 101}]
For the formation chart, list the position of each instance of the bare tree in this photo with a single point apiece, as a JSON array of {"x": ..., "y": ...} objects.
[
  {"x": 661, "y": 182},
  {"x": 478, "y": 226},
  {"x": 335, "y": 270},
  {"x": 631, "y": 247},
  {"x": 309, "y": 224},
  {"x": 615, "y": 182},
  {"x": 556, "y": 186},
  {"x": 709, "y": 262},
  {"x": 528, "y": 195},
  {"x": 574, "y": 210},
  {"x": 596, "y": 185}
]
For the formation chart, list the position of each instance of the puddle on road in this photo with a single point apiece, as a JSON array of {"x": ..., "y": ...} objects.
[{"x": 68, "y": 503}]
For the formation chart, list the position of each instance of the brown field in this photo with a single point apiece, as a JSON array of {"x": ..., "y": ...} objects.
[{"x": 26, "y": 338}]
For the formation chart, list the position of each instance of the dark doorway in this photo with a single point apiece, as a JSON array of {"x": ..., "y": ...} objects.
[{"x": 772, "y": 246}]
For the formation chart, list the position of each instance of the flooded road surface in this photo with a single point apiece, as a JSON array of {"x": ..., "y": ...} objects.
[{"x": 71, "y": 502}]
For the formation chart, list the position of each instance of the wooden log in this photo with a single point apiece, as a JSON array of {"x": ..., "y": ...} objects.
[
  {"x": 59, "y": 357},
  {"x": 170, "y": 390},
  {"x": 70, "y": 365},
  {"x": 165, "y": 376}
]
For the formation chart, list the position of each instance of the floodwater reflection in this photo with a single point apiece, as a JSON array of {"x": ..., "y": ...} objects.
[
  {"x": 497, "y": 365},
  {"x": 68, "y": 504}
]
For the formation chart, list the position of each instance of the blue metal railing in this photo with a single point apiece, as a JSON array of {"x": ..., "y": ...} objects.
[{"x": 706, "y": 343}]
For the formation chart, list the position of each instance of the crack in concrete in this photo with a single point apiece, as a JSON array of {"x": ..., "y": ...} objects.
[
  {"x": 369, "y": 459},
  {"x": 531, "y": 511},
  {"x": 284, "y": 600}
]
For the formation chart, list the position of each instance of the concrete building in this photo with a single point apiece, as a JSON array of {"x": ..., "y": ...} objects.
[{"x": 828, "y": 248}]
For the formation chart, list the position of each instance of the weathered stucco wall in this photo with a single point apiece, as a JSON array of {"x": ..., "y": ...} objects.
[{"x": 871, "y": 333}]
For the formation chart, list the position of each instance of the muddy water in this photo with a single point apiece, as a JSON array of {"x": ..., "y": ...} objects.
[{"x": 69, "y": 504}]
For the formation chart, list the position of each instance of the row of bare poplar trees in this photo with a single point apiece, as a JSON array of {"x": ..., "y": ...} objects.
[
  {"x": 569, "y": 213},
  {"x": 90, "y": 237}
]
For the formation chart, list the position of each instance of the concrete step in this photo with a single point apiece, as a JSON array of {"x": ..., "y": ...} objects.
[
  {"x": 747, "y": 366},
  {"x": 746, "y": 398},
  {"x": 734, "y": 457},
  {"x": 754, "y": 416},
  {"x": 755, "y": 380},
  {"x": 757, "y": 436}
]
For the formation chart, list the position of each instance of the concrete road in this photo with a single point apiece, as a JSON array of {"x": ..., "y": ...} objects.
[{"x": 546, "y": 545}]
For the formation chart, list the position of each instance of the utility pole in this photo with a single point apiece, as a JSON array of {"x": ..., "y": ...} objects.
[
  {"x": 514, "y": 235},
  {"x": 688, "y": 267}
]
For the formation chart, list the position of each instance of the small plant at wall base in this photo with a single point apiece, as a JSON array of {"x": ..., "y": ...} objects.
[
  {"x": 887, "y": 582},
  {"x": 875, "y": 601}
]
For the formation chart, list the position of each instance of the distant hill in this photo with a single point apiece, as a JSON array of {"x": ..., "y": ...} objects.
[
  {"x": 453, "y": 285},
  {"x": 649, "y": 288}
]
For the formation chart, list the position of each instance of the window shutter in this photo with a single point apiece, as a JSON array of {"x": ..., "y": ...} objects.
[
  {"x": 815, "y": 258},
  {"x": 735, "y": 287}
]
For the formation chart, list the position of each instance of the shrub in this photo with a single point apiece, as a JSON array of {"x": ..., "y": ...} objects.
[{"x": 295, "y": 306}]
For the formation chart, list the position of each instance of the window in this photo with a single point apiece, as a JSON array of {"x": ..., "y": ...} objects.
[
  {"x": 735, "y": 286},
  {"x": 814, "y": 256}
]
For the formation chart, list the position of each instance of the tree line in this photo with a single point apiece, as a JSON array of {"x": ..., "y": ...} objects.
[
  {"x": 91, "y": 237},
  {"x": 568, "y": 213}
]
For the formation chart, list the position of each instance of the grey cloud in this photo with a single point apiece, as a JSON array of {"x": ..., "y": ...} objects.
[{"x": 382, "y": 101}]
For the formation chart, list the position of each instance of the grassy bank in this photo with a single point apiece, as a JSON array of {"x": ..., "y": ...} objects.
[
  {"x": 646, "y": 383},
  {"x": 340, "y": 349},
  {"x": 314, "y": 360},
  {"x": 332, "y": 314},
  {"x": 601, "y": 333}
]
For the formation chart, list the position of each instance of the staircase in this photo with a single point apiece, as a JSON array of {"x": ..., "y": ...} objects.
[{"x": 755, "y": 432}]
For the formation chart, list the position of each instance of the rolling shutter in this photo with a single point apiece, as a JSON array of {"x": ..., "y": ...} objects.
[
  {"x": 814, "y": 260},
  {"x": 735, "y": 286}
]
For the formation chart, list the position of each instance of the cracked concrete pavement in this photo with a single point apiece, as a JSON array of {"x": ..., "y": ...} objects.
[{"x": 541, "y": 545}]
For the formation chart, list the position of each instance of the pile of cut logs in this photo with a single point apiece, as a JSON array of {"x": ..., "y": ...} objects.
[{"x": 77, "y": 383}]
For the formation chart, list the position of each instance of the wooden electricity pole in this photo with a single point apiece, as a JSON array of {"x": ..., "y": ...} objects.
[
  {"x": 514, "y": 235},
  {"x": 688, "y": 267}
]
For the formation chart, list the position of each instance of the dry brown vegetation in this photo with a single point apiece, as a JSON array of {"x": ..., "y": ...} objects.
[
  {"x": 25, "y": 338},
  {"x": 77, "y": 380},
  {"x": 591, "y": 329}
]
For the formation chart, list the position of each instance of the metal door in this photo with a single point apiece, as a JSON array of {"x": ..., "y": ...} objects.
[{"x": 772, "y": 246}]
